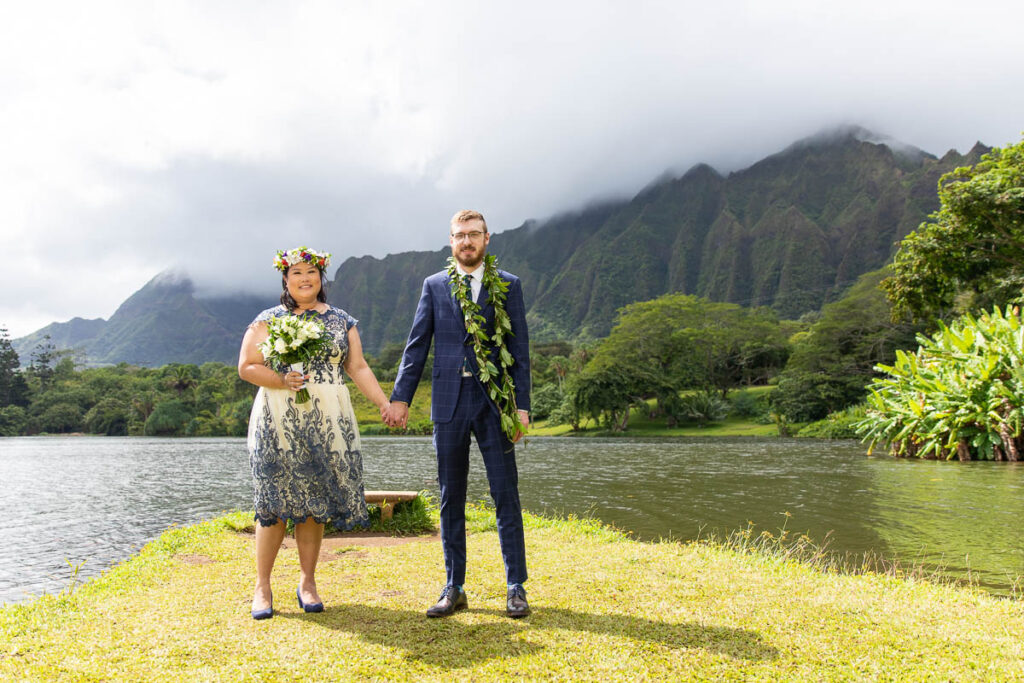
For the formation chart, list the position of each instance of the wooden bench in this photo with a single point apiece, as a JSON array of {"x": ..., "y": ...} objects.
[{"x": 387, "y": 499}]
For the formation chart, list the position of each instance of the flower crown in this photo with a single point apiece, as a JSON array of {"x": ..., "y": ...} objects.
[{"x": 286, "y": 259}]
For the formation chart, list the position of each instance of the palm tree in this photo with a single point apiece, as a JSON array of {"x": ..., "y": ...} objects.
[{"x": 181, "y": 379}]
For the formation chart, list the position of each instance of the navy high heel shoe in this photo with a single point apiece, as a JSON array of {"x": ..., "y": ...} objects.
[
  {"x": 308, "y": 606},
  {"x": 264, "y": 613}
]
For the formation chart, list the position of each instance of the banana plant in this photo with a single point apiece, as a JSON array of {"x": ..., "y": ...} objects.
[{"x": 960, "y": 395}]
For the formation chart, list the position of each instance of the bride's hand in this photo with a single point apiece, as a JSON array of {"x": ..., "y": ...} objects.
[
  {"x": 385, "y": 414},
  {"x": 294, "y": 380}
]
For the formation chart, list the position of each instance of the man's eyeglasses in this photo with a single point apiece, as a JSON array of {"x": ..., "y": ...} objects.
[{"x": 473, "y": 235}]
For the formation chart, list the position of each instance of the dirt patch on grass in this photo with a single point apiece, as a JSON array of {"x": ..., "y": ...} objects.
[
  {"x": 333, "y": 555},
  {"x": 342, "y": 546},
  {"x": 368, "y": 539},
  {"x": 372, "y": 539},
  {"x": 194, "y": 559}
]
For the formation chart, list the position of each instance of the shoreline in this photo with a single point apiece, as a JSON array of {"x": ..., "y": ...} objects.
[
  {"x": 179, "y": 607},
  {"x": 731, "y": 430}
]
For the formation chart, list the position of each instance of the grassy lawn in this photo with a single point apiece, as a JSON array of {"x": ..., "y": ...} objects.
[{"x": 605, "y": 607}]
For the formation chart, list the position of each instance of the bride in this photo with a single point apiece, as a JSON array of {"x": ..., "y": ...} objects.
[{"x": 305, "y": 458}]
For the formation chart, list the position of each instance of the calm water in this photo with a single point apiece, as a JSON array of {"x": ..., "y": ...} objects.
[{"x": 94, "y": 501}]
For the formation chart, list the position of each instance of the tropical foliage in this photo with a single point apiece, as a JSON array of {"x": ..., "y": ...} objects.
[
  {"x": 838, "y": 425},
  {"x": 675, "y": 343},
  {"x": 959, "y": 395},
  {"x": 701, "y": 407},
  {"x": 834, "y": 360},
  {"x": 972, "y": 249},
  {"x": 54, "y": 397}
]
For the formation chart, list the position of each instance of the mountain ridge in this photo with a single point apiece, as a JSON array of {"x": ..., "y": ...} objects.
[{"x": 790, "y": 231}]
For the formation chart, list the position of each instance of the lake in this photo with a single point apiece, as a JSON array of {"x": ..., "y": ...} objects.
[{"x": 93, "y": 501}]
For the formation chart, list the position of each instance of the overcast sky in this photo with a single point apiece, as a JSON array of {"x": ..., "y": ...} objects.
[{"x": 138, "y": 136}]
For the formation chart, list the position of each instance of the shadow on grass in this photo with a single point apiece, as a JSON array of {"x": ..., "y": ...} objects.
[{"x": 449, "y": 643}]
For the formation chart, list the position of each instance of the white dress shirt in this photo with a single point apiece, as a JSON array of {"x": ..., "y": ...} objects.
[{"x": 478, "y": 279}]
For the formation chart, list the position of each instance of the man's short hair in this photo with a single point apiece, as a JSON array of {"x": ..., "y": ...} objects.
[{"x": 469, "y": 215}]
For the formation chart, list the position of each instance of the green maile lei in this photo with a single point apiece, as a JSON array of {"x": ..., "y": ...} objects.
[{"x": 496, "y": 380}]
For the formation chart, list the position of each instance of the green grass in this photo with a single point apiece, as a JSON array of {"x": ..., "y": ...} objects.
[
  {"x": 642, "y": 426},
  {"x": 605, "y": 608}
]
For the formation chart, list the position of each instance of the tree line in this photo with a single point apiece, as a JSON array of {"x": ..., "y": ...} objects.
[
  {"x": 682, "y": 359},
  {"x": 50, "y": 395},
  {"x": 679, "y": 358}
]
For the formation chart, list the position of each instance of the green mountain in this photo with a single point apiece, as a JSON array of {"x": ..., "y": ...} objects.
[
  {"x": 73, "y": 334},
  {"x": 792, "y": 232},
  {"x": 161, "y": 323}
]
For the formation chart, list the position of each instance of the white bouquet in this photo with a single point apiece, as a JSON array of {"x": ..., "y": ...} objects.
[{"x": 293, "y": 340}]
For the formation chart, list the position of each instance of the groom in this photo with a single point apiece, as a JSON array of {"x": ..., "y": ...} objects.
[{"x": 460, "y": 406}]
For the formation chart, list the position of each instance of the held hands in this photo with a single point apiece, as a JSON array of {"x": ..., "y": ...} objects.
[{"x": 397, "y": 414}]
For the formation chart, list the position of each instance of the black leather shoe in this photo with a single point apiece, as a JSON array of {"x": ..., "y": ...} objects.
[
  {"x": 451, "y": 601},
  {"x": 516, "y": 606}
]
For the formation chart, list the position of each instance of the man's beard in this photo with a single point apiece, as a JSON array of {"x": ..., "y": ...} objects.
[{"x": 469, "y": 262}]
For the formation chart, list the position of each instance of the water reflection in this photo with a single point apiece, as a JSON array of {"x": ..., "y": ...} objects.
[
  {"x": 96, "y": 500},
  {"x": 959, "y": 516}
]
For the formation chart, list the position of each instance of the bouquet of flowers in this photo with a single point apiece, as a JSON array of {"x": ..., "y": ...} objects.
[{"x": 292, "y": 340}]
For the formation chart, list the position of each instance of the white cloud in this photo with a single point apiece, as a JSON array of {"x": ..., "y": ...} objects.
[{"x": 135, "y": 137}]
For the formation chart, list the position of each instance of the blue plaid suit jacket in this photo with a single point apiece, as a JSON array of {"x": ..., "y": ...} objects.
[{"x": 439, "y": 317}]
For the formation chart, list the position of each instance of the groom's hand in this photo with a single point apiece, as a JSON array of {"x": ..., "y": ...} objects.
[
  {"x": 524, "y": 419},
  {"x": 399, "y": 414}
]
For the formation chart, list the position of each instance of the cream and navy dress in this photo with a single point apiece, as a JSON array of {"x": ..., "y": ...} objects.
[{"x": 305, "y": 457}]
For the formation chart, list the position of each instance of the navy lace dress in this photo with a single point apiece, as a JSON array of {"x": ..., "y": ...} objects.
[{"x": 305, "y": 457}]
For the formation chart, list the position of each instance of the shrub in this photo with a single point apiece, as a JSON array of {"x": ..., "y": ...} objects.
[
  {"x": 565, "y": 414},
  {"x": 205, "y": 423},
  {"x": 750, "y": 404},
  {"x": 806, "y": 396},
  {"x": 13, "y": 420},
  {"x": 545, "y": 400},
  {"x": 61, "y": 418},
  {"x": 840, "y": 425},
  {"x": 701, "y": 407},
  {"x": 961, "y": 394},
  {"x": 168, "y": 419},
  {"x": 110, "y": 416},
  {"x": 238, "y": 417}
]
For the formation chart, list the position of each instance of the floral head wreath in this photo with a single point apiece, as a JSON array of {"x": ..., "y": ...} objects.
[{"x": 285, "y": 259}]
